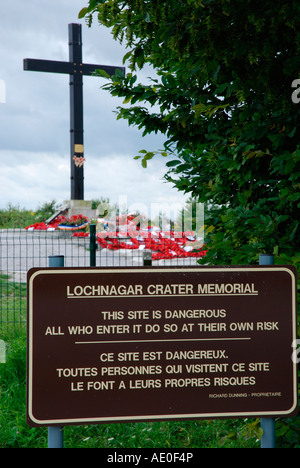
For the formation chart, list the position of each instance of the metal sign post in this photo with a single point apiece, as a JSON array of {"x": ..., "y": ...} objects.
[
  {"x": 56, "y": 433},
  {"x": 267, "y": 424}
]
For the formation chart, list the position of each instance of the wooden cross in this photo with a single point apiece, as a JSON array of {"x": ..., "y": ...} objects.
[{"x": 76, "y": 69}]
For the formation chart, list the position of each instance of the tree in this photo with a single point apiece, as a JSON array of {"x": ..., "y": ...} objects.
[
  {"x": 223, "y": 99},
  {"x": 226, "y": 98}
]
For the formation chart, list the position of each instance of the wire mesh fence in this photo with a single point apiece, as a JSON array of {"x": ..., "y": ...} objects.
[{"x": 21, "y": 250}]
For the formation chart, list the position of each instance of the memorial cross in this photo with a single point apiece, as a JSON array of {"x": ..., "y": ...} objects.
[{"x": 76, "y": 69}]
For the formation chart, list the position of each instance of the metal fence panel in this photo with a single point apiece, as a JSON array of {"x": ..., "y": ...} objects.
[{"x": 21, "y": 250}]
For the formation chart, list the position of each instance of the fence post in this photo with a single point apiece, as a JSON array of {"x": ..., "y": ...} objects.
[
  {"x": 267, "y": 424},
  {"x": 56, "y": 433},
  {"x": 147, "y": 258},
  {"x": 2, "y": 352},
  {"x": 93, "y": 245}
]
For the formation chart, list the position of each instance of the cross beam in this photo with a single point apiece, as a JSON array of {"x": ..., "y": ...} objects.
[{"x": 76, "y": 69}]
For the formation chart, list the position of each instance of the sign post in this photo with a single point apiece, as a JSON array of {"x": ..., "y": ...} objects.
[
  {"x": 56, "y": 433},
  {"x": 267, "y": 424},
  {"x": 146, "y": 344}
]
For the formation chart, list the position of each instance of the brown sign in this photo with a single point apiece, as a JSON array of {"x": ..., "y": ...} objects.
[{"x": 115, "y": 345}]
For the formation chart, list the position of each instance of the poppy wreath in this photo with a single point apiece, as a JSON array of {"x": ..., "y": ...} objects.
[
  {"x": 130, "y": 236},
  {"x": 47, "y": 227},
  {"x": 76, "y": 222},
  {"x": 162, "y": 247}
]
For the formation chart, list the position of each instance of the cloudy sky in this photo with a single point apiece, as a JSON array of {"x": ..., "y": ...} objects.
[{"x": 35, "y": 122}]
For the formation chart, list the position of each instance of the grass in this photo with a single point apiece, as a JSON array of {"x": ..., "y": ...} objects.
[
  {"x": 13, "y": 305},
  {"x": 15, "y": 433},
  {"x": 14, "y": 217}
]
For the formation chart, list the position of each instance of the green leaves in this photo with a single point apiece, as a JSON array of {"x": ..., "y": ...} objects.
[
  {"x": 173, "y": 163},
  {"x": 222, "y": 99},
  {"x": 207, "y": 110},
  {"x": 102, "y": 74},
  {"x": 83, "y": 13},
  {"x": 146, "y": 156}
]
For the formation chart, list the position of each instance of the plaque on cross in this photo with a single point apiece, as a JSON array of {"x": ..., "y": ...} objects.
[{"x": 76, "y": 69}]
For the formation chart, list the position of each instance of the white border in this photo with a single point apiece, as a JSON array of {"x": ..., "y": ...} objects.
[{"x": 78, "y": 421}]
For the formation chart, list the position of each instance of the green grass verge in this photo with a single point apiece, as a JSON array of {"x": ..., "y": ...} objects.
[
  {"x": 15, "y": 433},
  {"x": 13, "y": 297}
]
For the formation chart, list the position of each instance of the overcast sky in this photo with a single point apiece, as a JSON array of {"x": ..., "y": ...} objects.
[{"x": 35, "y": 121}]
